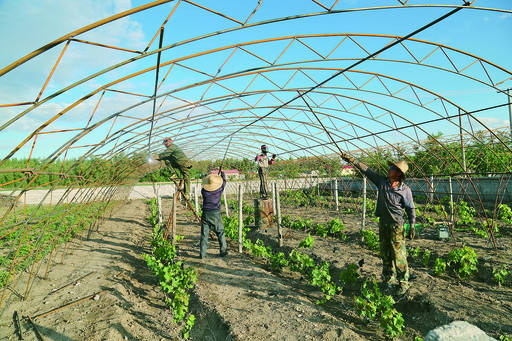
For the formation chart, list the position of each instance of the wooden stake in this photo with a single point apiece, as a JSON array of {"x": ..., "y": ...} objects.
[
  {"x": 451, "y": 199},
  {"x": 336, "y": 201},
  {"x": 273, "y": 186},
  {"x": 363, "y": 213},
  {"x": 240, "y": 205},
  {"x": 431, "y": 194},
  {"x": 159, "y": 201},
  {"x": 196, "y": 197},
  {"x": 173, "y": 225},
  {"x": 226, "y": 203},
  {"x": 278, "y": 212}
]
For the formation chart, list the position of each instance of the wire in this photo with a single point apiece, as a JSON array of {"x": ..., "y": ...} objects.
[
  {"x": 395, "y": 129},
  {"x": 398, "y": 41}
]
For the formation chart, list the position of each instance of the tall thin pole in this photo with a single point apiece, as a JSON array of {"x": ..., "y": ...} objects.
[
  {"x": 363, "y": 215},
  {"x": 278, "y": 210},
  {"x": 336, "y": 201},
  {"x": 196, "y": 197},
  {"x": 225, "y": 203},
  {"x": 451, "y": 199},
  {"x": 462, "y": 142},
  {"x": 240, "y": 202},
  {"x": 273, "y": 186},
  {"x": 509, "y": 111},
  {"x": 156, "y": 87},
  {"x": 173, "y": 225}
]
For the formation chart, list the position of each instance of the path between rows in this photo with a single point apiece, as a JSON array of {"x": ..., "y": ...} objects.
[{"x": 235, "y": 297}]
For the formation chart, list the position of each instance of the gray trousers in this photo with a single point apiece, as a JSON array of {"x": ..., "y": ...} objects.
[{"x": 212, "y": 220}]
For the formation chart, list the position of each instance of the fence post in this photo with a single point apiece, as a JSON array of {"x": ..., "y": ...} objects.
[
  {"x": 173, "y": 224},
  {"x": 336, "y": 201},
  {"x": 159, "y": 201},
  {"x": 196, "y": 197},
  {"x": 240, "y": 204},
  {"x": 451, "y": 199},
  {"x": 278, "y": 212},
  {"x": 363, "y": 215},
  {"x": 226, "y": 203},
  {"x": 273, "y": 187},
  {"x": 431, "y": 194}
]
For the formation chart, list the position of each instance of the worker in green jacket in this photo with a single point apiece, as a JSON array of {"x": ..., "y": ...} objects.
[{"x": 174, "y": 157}]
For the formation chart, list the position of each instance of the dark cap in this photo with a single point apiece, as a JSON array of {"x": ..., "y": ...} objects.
[{"x": 167, "y": 139}]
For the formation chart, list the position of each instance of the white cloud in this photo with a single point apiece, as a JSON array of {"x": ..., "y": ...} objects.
[
  {"x": 27, "y": 25},
  {"x": 494, "y": 123}
]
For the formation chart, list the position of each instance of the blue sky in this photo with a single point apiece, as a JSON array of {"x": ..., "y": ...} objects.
[{"x": 27, "y": 25}]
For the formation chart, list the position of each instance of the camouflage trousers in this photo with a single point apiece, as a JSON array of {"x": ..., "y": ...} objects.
[
  {"x": 263, "y": 173},
  {"x": 393, "y": 252}
]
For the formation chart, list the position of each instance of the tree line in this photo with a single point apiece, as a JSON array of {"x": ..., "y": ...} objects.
[{"x": 486, "y": 155}]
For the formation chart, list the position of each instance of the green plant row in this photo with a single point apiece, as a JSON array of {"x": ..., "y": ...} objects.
[
  {"x": 27, "y": 241},
  {"x": 463, "y": 262},
  {"x": 372, "y": 304},
  {"x": 333, "y": 228},
  {"x": 318, "y": 275},
  {"x": 94, "y": 171},
  {"x": 175, "y": 279}
]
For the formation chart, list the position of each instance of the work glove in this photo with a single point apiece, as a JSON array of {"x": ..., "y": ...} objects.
[{"x": 347, "y": 157}]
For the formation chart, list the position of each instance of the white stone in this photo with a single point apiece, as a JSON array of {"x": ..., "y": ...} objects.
[{"x": 458, "y": 331}]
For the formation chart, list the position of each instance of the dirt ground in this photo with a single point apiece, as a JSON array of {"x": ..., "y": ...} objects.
[{"x": 238, "y": 297}]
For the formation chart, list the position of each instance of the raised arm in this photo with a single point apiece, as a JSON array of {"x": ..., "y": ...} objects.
[{"x": 368, "y": 172}]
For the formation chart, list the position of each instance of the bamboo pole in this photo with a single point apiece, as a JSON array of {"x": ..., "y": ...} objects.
[
  {"x": 278, "y": 212},
  {"x": 225, "y": 203},
  {"x": 336, "y": 201},
  {"x": 451, "y": 200},
  {"x": 196, "y": 197},
  {"x": 363, "y": 213},
  {"x": 431, "y": 194},
  {"x": 273, "y": 186},
  {"x": 159, "y": 201},
  {"x": 240, "y": 204},
  {"x": 173, "y": 224}
]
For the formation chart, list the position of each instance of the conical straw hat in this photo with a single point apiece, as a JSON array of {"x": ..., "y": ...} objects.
[
  {"x": 212, "y": 182},
  {"x": 402, "y": 165}
]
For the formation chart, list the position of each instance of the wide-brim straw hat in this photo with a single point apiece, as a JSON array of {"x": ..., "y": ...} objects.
[
  {"x": 402, "y": 165},
  {"x": 212, "y": 182}
]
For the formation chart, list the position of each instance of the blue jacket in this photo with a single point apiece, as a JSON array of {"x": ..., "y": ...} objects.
[{"x": 211, "y": 199}]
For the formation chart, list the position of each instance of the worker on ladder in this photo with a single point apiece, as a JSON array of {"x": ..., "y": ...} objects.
[{"x": 174, "y": 157}]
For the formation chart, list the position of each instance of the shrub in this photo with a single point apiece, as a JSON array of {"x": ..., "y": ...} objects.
[
  {"x": 463, "y": 261},
  {"x": 349, "y": 275},
  {"x": 439, "y": 266},
  {"x": 505, "y": 213},
  {"x": 426, "y": 257},
  {"x": 372, "y": 304},
  {"x": 371, "y": 240},
  {"x": 499, "y": 274}
]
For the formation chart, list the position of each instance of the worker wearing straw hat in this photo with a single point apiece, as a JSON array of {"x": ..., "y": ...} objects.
[
  {"x": 212, "y": 188},
  {"x": 393, "y": 198}
]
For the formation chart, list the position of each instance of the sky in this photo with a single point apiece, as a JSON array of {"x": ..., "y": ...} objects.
[{"x": 27, "y": 25}]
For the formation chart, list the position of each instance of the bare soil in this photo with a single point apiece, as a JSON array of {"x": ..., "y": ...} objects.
[{"x": 238, "y": 297}]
